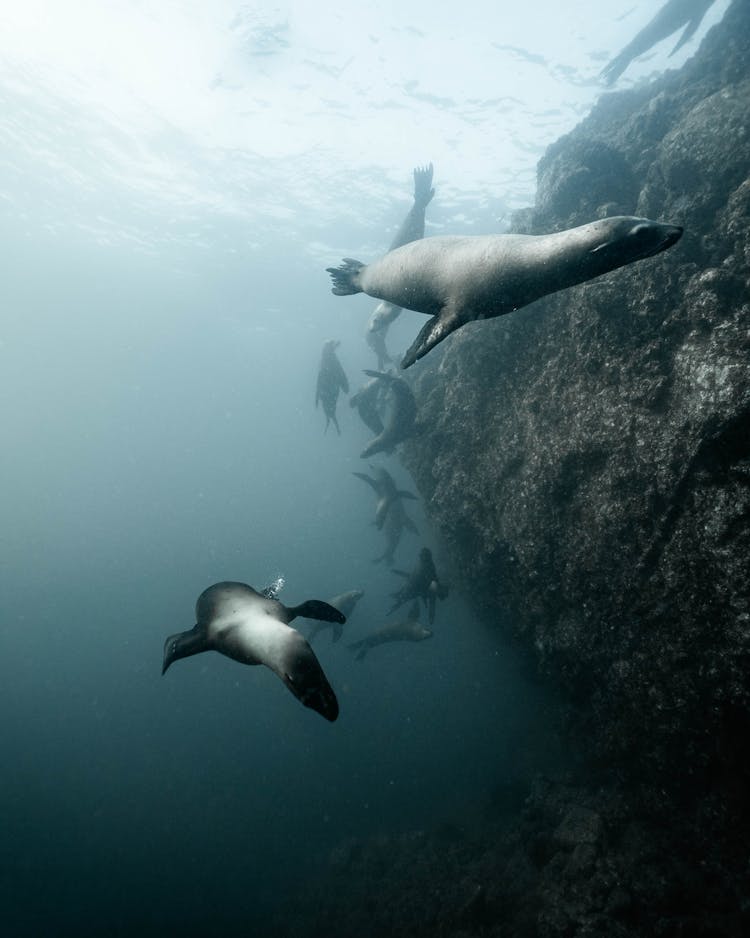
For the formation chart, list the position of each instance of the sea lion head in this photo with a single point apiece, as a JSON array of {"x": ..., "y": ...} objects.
[{"x": 622, "y": 239}]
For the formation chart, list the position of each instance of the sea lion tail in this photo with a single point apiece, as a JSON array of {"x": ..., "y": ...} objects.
[
  {"x": 346, "y": 278},
  {"x": 316, "y": 609}
]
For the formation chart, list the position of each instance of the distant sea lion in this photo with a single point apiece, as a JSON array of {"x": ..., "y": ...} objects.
[
  {"x": 410, "y": 630},
  {"x": 412, "y": 228},
  {"x": 345, "y": 603},
  {"x": 673, "y": 15},
  {"x": 396, "y": 522},
  {"x": 390, "y": 514},
  {"x": 399, "y": 419},
  {"x": 331, "y": 380},
  {"x": 457, "y": 279},
  {"x": 421, "y": 583},
  {"x": 243, "y": 624},
  {"x": 367, "y": 402},
  {"x": 384, "y": 486}
]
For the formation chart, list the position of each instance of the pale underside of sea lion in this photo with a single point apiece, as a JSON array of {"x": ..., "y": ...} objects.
[{"x": 252, "y": 628}]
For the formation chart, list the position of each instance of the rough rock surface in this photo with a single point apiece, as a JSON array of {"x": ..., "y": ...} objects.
[{"x": 587, "y": 464}]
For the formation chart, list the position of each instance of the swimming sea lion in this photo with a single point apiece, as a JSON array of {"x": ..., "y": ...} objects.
[
  {"x": 673, "y": 15},
  {"x": 410, "y": 630},
  {"x": 345, "y": 603},
  {"x": 400, "y": 415},
  {"x": 331, "y": 380},
  {"x": 421, "y": 583},
  {"x": 396, "y": 521},
  {"x": 239, "y": 622},
  {"x": 367, "y": 402},
  {"x": 390, "y": 514},
  {"x": 412, "y": 228},
  {"x": 457, "y": 279}
]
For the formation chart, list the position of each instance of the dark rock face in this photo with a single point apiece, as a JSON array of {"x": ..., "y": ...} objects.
[
  {"x": 587, "y": 463},
  {"x": 588, "y": 459}
]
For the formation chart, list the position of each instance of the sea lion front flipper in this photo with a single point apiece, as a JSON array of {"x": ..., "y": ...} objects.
[
  {"x": 402, "y": 573},
  {"x": 433, "y": 332},
  {"x": 402, "y": 493},
  {"x": 338, "y": 631},
  {"x": 414, "y": 610},
  {"x": 316, "y": 609},
  {"x": 370, "y": 481}
]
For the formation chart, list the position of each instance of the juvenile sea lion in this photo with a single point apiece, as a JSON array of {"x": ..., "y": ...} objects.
[
  {"x": 421, "y": 583},
  {"x": 457, "y": 279},
  {"x": 237, "y": 621},
  {"x": 412, "y": 228},
  {"x": 345, "y": 603},
  {"x": 410, "y": 630},
  {"x": 331, "y": 380},
  {"x": 399, "y": 418},
  {"x": 673, "y": 15}
]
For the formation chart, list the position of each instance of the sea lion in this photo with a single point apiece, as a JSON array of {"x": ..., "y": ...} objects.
[
  {"x": 384, "y": 486},
  {"x": 412, "y": 228},
  {"x": 243, "y": 624},
  {"x": 331, "y": 380},
  {"x": 421, "y": 583},
  {"x": 399, "y": 420},
  {"x": 345, "y": 603},
  {"x": 457, "y": 279},
  {"x": 410, "y": 630},
  {"x": 367, "y": 400},
  {"x": 390, "y": 514},
  {"x": 673, "y": 15},
  {"x": 396, "y": 521}
]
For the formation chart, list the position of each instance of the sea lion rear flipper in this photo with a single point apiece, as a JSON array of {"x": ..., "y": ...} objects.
[
  {"x": 433, "y": 332},
  {"x": 688, "y": 32},
  {"x": 423, "y": 191},
  {"x": 346, "y": 278},
  {"x": 316, "y": 609}
]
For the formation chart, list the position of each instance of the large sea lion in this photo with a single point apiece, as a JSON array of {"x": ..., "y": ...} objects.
[
  {"x": 331, "y": 380},
  {"x": 399, "y": 418},
  {"x": 412, "y": 228},
  {"x": 673, "y": 15},
  {"x": 422, "y": 583},
  {"x": 457, "y": 279},
  {"x": 345, "y": 603},
  {"x": 243, "y": 624},
  {"x": 410, "y": 630}
]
